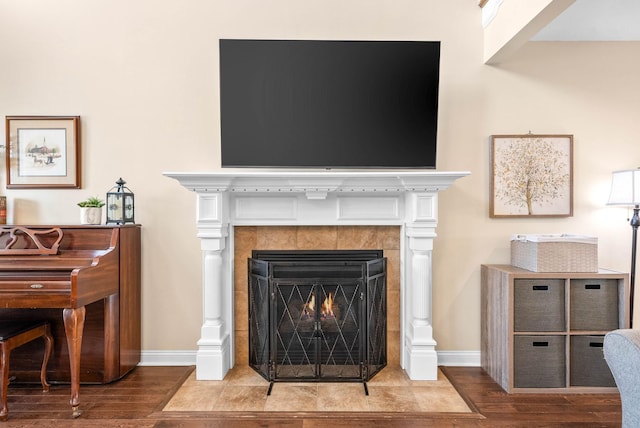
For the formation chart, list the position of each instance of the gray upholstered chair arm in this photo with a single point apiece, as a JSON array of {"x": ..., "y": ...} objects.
[{"x": 622, "y": 353}]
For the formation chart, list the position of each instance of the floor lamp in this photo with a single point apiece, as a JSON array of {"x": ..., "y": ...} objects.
[{"x": 625, "y": 190}]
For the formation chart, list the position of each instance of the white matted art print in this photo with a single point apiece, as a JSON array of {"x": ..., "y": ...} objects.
[
  {"x": 43, "y": 152},
  {"x": 531, "y": 176}
]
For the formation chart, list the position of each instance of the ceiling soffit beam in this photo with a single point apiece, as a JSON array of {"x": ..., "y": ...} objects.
[{"x": 515, "y": 23}]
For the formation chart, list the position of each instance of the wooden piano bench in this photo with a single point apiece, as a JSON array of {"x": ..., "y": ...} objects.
[{"x": 12, "y": 335}]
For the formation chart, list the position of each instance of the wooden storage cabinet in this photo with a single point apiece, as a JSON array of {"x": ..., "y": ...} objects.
[{"x": 543, "y": 332}]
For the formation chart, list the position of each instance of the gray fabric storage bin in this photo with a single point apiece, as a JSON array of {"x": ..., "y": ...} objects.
[
  {"x": 539, "y": 305},
  {"x": 539, "y": 362},
  {"x": 594, "y": 304},
  {"x": 588, "y": 366}
]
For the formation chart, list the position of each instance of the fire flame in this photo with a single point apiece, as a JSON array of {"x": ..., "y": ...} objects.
[
  {"x": 326, "y": 310},
  {"x": 311, "y": 305}
]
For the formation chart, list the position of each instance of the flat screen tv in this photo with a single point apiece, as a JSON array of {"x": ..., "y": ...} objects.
[{"x": 329, "y": 104}]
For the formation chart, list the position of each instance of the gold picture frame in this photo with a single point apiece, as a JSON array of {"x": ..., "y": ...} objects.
[
  {"x": 531, "y": 176},
  {"x": 43, "y": 152}
]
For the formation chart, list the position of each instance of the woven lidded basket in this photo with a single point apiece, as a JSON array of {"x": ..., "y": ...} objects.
[{"x": 555, "y": 253}]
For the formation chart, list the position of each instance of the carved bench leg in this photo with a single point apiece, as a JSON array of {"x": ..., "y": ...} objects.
[
  {"x": 48, "y": 347},
  {"x": 4, "y": 369},
  {"x": 73, "y": 327},
  {"x": 12, "y": 337}
]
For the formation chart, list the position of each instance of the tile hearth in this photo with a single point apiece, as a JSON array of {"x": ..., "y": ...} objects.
[{"x": 243, "y": 390}]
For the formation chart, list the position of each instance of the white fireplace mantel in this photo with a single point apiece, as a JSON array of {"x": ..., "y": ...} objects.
[{"x": 248, "y": 198}]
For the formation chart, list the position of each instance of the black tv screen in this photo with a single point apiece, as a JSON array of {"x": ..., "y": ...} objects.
[{"x": 329, "y": 104}]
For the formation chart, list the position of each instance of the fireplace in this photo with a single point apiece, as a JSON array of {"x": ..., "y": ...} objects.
[
  {"x": 408, "y": 199},
  {"x": 317, "y": 315}
]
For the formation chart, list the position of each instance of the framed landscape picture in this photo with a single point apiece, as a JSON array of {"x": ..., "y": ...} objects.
[
  {"x": 43, "y": 152},
  {"x": 531, "y": 176}
]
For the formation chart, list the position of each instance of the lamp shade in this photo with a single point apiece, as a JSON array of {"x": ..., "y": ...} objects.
[{"x": 625, "y": 188}]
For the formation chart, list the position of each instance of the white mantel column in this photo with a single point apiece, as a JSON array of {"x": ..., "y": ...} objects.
[
  {"x": 420, "y": 356},
  {"x": 214, "y": 356}
]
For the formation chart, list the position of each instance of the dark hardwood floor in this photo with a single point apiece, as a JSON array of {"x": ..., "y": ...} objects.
[{"x": 138, "y": 399}]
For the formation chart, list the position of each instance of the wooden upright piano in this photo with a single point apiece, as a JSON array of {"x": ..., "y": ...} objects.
[{"x": 85, "y": 280}]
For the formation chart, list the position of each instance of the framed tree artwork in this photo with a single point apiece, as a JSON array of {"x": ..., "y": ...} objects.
[
  {"x": 531, "y": 176},
  {"x": 43, "y": 152}
]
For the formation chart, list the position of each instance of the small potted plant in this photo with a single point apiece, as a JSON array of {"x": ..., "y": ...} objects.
[{"x": 91, "y": 210}]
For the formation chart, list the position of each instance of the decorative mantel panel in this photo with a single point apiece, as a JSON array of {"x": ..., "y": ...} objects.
[{"x": 249, "y": 198}]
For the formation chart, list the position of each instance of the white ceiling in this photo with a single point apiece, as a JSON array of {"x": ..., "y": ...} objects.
[{"x": 595, "y": 20}]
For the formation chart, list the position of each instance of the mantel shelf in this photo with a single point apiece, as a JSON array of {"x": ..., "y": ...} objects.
[{"x": 316, "y": 185}]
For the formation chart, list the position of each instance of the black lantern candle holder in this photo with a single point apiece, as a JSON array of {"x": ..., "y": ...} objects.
[{"x": 120, "y": 208}]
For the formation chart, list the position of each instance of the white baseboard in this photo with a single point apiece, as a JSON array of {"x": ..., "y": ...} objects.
[
  {"x": 167, "y": 358},
  {"x": 188, "y": 358},
  {"x": 459, "y": 358}
]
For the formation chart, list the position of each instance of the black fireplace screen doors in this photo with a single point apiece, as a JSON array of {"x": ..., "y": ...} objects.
[{"x": 317, "y": 315}]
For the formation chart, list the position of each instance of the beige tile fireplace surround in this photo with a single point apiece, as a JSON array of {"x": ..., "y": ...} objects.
[
  {"x": 396, "y": 211},
  {"x": 386, "y": 238}
]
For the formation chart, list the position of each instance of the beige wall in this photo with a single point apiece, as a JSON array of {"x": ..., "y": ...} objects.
[{"x": 143, "y": 76}]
